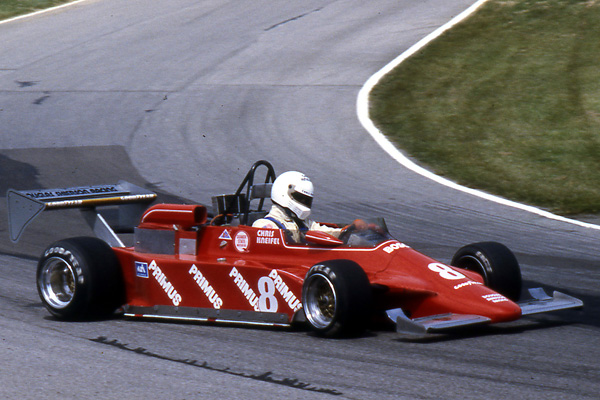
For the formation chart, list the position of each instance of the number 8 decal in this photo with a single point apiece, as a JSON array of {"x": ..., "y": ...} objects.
[
  {"x": 266, "y": 288},
  {"x": 445, "y": 271}
]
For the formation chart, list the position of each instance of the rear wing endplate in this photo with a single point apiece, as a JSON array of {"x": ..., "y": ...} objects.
[{"x": 25, "y": 205}]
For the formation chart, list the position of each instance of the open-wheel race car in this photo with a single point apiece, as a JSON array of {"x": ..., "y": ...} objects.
[{"x": 184, "y": 266}]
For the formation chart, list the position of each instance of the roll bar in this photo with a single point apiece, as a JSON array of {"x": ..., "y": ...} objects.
[{"x": 239, "y": 203}]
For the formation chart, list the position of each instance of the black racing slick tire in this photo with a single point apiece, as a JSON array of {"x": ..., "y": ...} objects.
[
  {"x": 336, "y": 298},
  {"x": 80, "y": 278},
  {"x": 495, "y": 263}
]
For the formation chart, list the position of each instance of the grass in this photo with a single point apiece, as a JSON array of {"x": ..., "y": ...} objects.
[
  {"x": 507, "y": 102},
  {"x": 12, "y": 8}
]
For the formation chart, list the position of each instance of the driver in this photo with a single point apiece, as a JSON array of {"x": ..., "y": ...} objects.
[{"x": 292, "y": 196}]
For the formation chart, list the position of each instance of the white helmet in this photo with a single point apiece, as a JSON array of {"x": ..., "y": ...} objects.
[{"x": 294, "y": 191}]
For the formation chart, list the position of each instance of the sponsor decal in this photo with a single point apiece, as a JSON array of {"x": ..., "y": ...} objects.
[
  {"x": 141, "y": 269},
  {"x": 267, "y": 236},
  {"x": 290, "y": 298},
  {"x": 467, "y": 283},
  {"x": 241, "y": 241},
  {"x": 82, "y": 191},
  {"x": 206, "y": 287},
  {"x": 225, "y": 235},
  {"x": 268, "y": 287},
  {"x": 167, "y": 286},
  {"x": 394, "y": 246},
  {"x": 244, "y": 287},
  {"x": 495, "y": 298}
]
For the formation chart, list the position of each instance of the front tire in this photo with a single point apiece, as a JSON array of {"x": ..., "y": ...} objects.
[
  {"x": 80, "y": 278},
  {"x": 495, "y": 263},
  {"x": 336, "y": 298}
]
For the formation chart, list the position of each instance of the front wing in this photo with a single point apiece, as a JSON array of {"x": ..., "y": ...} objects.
[{"x": 539, "y": 303}]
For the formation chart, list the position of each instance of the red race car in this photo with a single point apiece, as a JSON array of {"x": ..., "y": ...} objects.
[{"x": 182, "y": 266}]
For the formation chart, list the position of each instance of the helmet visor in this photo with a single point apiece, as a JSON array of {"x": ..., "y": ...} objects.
[{"x": 303, "y": 199}]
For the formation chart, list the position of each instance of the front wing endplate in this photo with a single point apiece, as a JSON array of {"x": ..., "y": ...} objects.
[
  {"x": 541, "y": 302},
  {"x": 433, "y": 323}
]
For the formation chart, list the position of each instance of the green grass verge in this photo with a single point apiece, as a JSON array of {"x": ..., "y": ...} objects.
[
  {"x": 12, "y": 8},
  {"x": 508, "y": 102}
]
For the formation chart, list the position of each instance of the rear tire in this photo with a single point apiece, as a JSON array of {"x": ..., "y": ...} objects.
[
  {"x": 336, "y": 298},
  {"x": 80, "y": 278},
  {"x": 495, "y": 263}
]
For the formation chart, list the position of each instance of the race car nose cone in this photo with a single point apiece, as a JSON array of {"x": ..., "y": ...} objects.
[{"x": 501, "y": 309}]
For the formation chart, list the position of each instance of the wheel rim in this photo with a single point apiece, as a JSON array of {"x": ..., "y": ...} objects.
[
  {"x": 474, "y": 264},
  {"x": 57, "y": 282},
  {"x": 320, "y": 301}
]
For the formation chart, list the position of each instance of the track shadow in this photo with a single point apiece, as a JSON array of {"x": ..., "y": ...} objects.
[{"x": 59, "y": 168}]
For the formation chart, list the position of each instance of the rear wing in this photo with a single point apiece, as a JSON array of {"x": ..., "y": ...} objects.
[{"x": 25, "y": 205}]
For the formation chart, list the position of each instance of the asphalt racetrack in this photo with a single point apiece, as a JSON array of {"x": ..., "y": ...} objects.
[{"x": 183, "y": 96}]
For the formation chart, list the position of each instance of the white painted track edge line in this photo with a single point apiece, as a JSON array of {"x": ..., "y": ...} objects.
[
  {"x": 362, "y": 109},
  {"x": 45, "y": 10}
]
